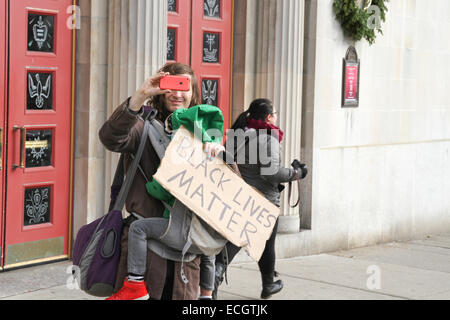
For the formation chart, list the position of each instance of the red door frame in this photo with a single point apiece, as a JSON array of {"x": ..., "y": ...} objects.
[
  {"x": 180, "y": 22},
  {"x": 3, "y": 103},
  {"x": 56, "y": 176}
]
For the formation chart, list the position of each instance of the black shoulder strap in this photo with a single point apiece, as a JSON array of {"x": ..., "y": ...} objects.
[
  {"x": 117, "y": 181},
  {"x": 290, "y": 191},
  {"x": 119, "y": 175}
]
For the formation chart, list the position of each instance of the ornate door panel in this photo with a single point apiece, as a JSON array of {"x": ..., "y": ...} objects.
[
  {"x": 39, "y": 117},
  {"x": 211, "y": 51},
  {"x": 179, "y": 31},
  {"x": 208, "y": 45}
]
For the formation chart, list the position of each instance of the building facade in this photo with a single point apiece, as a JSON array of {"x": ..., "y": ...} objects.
[{"x": 378, "y": 172}]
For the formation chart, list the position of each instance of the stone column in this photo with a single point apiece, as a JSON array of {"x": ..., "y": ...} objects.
[
  {"x": 137, "y": 49},
  {"x": 119, "y": 44},
  {"x": 279, "y": 74},
  {"x": 90, "y": 111}
]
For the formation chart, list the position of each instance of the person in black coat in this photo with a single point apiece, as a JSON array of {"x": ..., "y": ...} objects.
[{"x": 255, "y": 133}]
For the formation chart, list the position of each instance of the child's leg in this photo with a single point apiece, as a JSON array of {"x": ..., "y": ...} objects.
[
  {"x": 134, "y": 287},
  {"x": 140, "y": 231},
  {"x": 207, "y": 273}
]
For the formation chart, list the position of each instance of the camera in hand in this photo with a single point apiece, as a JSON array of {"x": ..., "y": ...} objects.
[{"x": 301, "y": 168}]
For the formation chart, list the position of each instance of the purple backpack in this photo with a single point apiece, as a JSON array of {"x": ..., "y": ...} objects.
[{"x": 97, "y": 247}]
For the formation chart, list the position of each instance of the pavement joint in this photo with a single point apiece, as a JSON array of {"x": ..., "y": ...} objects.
[
  {"x": 338, "y": 285},
  {"x": 234, "y": 294},
  {"x": 428, "y": 246},
  {"x": 427, "y": 295}
]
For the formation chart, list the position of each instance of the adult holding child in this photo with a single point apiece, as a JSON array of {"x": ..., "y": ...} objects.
[{"x": 145, "y": 272}]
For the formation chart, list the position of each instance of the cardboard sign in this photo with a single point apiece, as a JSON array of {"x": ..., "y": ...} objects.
[{"x": 216, "y": 194}]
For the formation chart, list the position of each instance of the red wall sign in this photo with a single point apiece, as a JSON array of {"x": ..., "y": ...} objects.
[
  {"x": 351, "y": 82},
  {"x": 350, "y": 79}
]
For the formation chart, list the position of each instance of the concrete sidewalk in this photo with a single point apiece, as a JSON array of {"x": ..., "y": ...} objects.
[{"x": 402, "y": 270}]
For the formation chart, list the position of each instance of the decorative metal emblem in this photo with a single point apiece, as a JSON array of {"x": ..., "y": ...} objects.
[
  {"x": 40, "y": 32},
  {"x": 39, "y": 91},
  {"x": 38, "y": 147},
  {"x": 210, "y": 92},
  {"x": 171, "y": 36},
  {"x": 37, "y": 205},
  {"x": 212, "y": 8},
  {"x": 211, "y": 47},
  {"x": 172, "y": 5}
]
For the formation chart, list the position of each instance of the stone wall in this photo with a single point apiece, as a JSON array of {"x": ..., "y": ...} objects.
[{"x": 380, "y": 171}]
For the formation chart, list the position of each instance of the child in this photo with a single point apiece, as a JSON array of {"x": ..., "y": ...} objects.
[{"x": 153, "y": 228}]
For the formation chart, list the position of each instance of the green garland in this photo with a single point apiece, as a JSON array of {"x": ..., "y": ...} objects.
[{"x": 355, "y": 20}]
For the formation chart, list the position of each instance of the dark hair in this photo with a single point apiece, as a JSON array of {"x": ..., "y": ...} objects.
[
  {"x": 259, "y": 110},
  {"x": 174, "y": 69}
]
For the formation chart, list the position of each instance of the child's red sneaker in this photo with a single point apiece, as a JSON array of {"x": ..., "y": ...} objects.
[{"x": 131, "y": 291}]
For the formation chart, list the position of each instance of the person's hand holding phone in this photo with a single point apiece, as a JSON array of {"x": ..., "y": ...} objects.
[
  {"x": 149, "y": 88},
  {"x": 175, "y": 83}
]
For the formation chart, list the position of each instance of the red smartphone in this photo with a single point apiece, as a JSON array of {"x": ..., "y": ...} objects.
[{"x": 175, "y": 83}]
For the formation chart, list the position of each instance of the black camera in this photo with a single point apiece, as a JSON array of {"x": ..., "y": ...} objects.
[{"x": 301, "y": 168}]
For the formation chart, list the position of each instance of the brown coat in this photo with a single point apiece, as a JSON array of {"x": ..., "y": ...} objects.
[{"x": 122, "y": 133}]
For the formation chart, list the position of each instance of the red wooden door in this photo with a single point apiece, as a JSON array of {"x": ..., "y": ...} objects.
[
  {"x": 3, "y": 88},
  {"x": 202, "y": 31},
  {"x": 211, "y": 51},
  {"x": 39, "y": 120},
  {"x": 179, "y": 31}
]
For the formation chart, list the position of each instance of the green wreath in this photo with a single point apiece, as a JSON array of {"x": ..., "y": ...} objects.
[{"x": 361, "y": 21}]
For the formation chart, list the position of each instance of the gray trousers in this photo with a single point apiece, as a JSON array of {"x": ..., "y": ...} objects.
[{"x": 154, "y": 228}]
